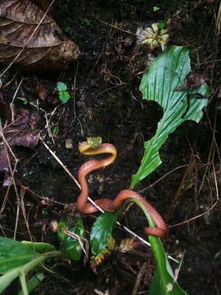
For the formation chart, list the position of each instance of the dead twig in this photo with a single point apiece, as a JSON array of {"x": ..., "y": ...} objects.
[
  {"x": 195, "y": 217},
  {"x": 12, "y": 172}
]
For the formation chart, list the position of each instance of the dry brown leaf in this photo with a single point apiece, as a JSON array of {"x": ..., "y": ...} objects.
[
  {"x": 43, "y": 5},
  {"x": 41, "y": 90},
  {"x": 21, "y": 132},
  {"x": 47, "y": 49}
]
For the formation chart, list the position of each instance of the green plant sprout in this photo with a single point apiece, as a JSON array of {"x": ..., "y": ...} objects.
[
  {"x": 24, "y": 100},
  {"x": 154, "y": 36},
  {"x": 156, "y": 8},
  {"x": 63, "y": 93}
]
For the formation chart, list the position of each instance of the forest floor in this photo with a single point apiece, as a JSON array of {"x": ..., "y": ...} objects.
[{"x": 106, "y": 101}]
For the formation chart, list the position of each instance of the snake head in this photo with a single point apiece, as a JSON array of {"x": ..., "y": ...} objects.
[{"x": 94, "y": 142}]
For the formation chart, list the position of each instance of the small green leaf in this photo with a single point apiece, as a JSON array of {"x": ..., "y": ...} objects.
[
  {"x": 67, "y": 29},
  {"x": 156, "y": 8},
  {"x": 61, "y": 86},
  {"x": 161, "y": 26},
  {"x": 55, "y": 130},
  {"x": 160, "y": 84},
  {"x": 13, "y": 254},
  {"x": 101, "y": 232},
  {"x": 70, "y": 246},
  {"x": 64, "y": 96},
  {"x": 44, "y": 212},
  {"x": 23, "y": 99}
]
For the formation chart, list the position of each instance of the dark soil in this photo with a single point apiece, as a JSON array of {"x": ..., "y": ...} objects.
[{"x": 106, "y": 102}]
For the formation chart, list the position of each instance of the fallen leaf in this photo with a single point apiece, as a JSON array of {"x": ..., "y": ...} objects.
[
  {"x": 46, "y": 49},
  {"x": 41, "y": 90},
  {"x": 20, "y": 132},
  {"x": 44, "y": 4}
]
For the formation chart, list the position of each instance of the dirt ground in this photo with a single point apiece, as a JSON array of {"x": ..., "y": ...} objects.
[{"x": 106, "y": 102}]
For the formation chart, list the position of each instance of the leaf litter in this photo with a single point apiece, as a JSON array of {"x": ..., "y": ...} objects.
[
  {"x": 20, "y": 132},
  {"x": 32, "y": 40}
]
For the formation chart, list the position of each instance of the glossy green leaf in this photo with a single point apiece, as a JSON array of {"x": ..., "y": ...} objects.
[
  {"x": 160, "y": 84},
  {"x": 101, "y": 232},
  {"x": 64, "y": 96},
  {"x": 13, "y": 254},
  {"x": 70, "y": 246}
]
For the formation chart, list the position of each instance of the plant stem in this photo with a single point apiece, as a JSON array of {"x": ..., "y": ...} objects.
[{"x": 23, "y": 283}]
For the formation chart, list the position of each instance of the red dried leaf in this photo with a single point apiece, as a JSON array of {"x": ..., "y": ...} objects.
[{"x": 46, "y": 49}]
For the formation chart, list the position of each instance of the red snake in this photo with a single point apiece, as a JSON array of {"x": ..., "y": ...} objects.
[{"x": 107, "y": 204}]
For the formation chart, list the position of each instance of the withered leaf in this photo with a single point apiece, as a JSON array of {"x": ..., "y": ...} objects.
[
  {"x": 44, "y": 5},
  {"x": 20, "y": 132},
  {"x": 46, "y": 49}
]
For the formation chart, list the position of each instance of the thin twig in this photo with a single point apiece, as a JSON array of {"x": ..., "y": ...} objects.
[
  {"x": 47, "y": 119},
  {"x": 162, "y": 177},
  {"x": 139, "y": 278},
  {"x": 13, "y": 99},
  {"x": 177, "y": 270},
  {"x": 12, "y": 172},
  {"x": 115, "y": 27},
  {"x": 22, "y": 205},
  {"x": 195, "y": 217}
]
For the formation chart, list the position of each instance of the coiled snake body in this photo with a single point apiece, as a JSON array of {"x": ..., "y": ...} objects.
[{"x": 107, "y": 204}]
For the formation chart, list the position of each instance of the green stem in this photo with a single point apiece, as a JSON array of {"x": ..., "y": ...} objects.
[
  {"x": 155, "y": 242},
  {"x": 23, "y": 283}
]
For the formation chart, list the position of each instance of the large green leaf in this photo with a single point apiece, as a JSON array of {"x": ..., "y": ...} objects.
[
  {"x": 13, "y": 254},
  {"x": 101, "y": 232},
  {"x": 160, "y": 84},
  {"x": 22, "y": 270}
]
